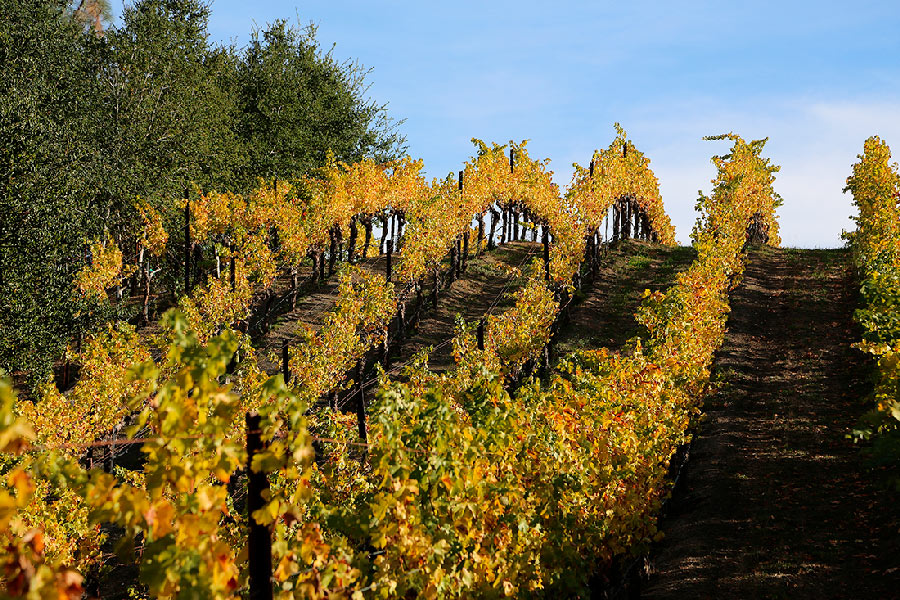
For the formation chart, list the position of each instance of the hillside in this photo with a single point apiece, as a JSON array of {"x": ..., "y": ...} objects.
[{"x": 776, "y": 502}]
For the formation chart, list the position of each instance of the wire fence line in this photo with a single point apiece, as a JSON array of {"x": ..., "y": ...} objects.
[
  {"x": 35, "y": 449},
  {"x": 515, "y": 272},
  {"x": 398, "y": 368}
]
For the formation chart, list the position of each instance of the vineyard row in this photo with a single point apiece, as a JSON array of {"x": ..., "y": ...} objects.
[{"x": 464, "y": 488}]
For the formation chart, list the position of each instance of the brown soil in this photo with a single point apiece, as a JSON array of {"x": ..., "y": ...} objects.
[
  {"x": 601, "y": 316},
  {"x": 485, "y": 286},
  {"x": 271, "y": 327},
  {"x": 777, "y": 502},
  {"x": 603, "y": 313}
]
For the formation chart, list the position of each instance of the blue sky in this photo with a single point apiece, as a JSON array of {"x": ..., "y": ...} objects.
[{"x": 817, "y": 78}]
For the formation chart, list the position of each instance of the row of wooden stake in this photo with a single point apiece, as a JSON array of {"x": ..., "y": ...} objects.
[{"x": 625, "y": 215}]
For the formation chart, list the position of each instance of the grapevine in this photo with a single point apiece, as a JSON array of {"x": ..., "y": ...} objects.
[
  {"x": 875, "y": 185},
  {"x": 466, "y": 487}
]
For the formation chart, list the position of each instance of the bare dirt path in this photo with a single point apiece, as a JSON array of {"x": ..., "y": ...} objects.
[
  {"x": 603, "y": 315},
  {"x": 282, "y": 324},
  {"x": 486, "y": 285},
  {"x": 776, "y": 502}
]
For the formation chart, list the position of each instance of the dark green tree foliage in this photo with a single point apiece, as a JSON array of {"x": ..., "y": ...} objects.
[
  {"x": 168, "y": 121},
  {"x": 298, "y": 103},
  {"x": 47, "y": 214},
  {"x": 89, "y": 121}
]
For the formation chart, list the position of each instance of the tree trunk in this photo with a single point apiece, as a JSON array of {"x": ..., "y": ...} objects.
[
  {"x": 351, "y": 243},
  {"x": 332, "y": 251},
  {"x": 480, "y": 233},
  {"x": 145, "y": 310},
  {"x": 368, "y": 223},
  {"x": 494, "y": 218}
]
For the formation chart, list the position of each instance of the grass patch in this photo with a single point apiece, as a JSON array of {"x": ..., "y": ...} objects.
[{"x": 638, "y": 262}]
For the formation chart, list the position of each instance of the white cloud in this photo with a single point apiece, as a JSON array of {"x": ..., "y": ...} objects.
[{"x": 814, "y": 142}]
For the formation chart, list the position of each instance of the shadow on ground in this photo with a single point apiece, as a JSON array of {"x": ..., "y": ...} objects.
[{"x": 776, "y": 502}]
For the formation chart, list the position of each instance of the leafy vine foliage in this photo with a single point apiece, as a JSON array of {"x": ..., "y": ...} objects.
[
  {"x": 620, "y": 170},
  {"x": 93, "y": 118},
  {"x": 467, "y": 486},
  {"x": 875, "y": 185}
]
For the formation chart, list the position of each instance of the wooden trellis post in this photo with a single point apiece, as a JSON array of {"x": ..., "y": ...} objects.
[
  {"x": 361, "y": 401},
  {"x": 187, "y": 244},
  {"x": 390, "y": 252},
  {"x": 259, "y": 539},
  {"x": 479, "y": 334},
  {"x": 434, "y": 290}
]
